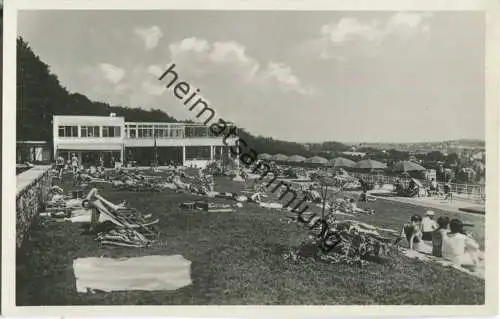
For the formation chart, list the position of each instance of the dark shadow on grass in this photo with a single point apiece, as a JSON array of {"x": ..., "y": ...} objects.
[
  {"x": 103, "y": 227},
  {"x": 313, "y": 251}
]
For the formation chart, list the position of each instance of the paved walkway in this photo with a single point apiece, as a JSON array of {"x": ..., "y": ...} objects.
[{"x": 448, "y": 206}]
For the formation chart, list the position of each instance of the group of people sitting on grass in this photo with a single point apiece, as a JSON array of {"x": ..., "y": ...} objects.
[{"x": 443, "y": 238}]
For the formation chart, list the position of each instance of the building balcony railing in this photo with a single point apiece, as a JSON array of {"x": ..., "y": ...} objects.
[{"x": 146, "y": 131}]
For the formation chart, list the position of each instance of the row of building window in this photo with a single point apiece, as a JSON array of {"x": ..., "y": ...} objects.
[
  {"x": 89, "y": 131},
  {"x": 145, "y": 131},
  {"x": 133, "y": 132},
  {"x": 137, "y": 131}
]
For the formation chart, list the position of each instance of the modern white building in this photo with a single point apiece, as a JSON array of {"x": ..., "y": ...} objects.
[{"x": 114, "y": 140}]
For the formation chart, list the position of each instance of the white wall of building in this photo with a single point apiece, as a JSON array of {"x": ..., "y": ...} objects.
[
  {"x": 100, "y": 143},
  {"x": 87, "y": 143}
]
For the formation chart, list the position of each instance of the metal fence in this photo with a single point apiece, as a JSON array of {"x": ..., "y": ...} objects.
[{"x": 462, "y": 191}]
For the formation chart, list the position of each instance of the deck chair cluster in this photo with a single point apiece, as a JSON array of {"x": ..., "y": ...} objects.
[{"x": 131, "y": 228}]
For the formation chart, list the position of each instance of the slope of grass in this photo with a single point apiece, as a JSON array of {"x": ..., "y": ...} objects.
[{"x": 236, "y": 259}]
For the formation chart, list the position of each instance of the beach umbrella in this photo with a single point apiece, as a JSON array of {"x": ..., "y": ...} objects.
[
  {"x": 296, "y": 159},
  {"x": 265, "y": 156},
  {"x": 341, "y": 162},
  {"x": 280, "y": 158},
  {"x": 407, "y": 166},
  {"x": 317, "y": 160},
  {"x": 369, "y": 164}
]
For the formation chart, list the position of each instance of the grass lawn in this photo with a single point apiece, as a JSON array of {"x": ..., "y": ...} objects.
[{"x": 237, "y": 259}]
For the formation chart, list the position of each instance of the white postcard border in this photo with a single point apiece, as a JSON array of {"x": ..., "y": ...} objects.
[{"x": 492, "y": 163}]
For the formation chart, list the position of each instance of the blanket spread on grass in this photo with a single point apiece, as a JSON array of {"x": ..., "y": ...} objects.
[
  {"x": 146, "y": 273},
  {"x": 423, "y": 254}
]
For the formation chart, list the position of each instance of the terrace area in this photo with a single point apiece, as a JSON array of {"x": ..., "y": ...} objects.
[{"x": 167, "y": 131}]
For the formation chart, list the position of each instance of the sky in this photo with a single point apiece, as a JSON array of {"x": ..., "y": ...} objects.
[{"x": 296, "y": 76}]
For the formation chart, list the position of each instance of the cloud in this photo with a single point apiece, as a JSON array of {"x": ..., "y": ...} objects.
[
  {"x": 407, "y": 19},
  {"x": 282, "y": 75},
  {"x": 154, "y": 70},
  {"x": 350, "y": 36},
  {"x": 111, "y": 73},
  {"x": 224, "y": 72},
  {"x": 229, "y": 62},
  {"x": 150, "y": 36},
  {"x": 136, "y": 87},
  {"x": 149, "y": 87},
  {"x": 348, "y": 29}
]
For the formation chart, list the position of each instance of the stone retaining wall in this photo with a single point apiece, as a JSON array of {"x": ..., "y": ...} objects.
[{"x": 32, "y": 190}]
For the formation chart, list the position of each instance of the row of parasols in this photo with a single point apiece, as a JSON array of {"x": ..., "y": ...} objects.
[{"x": 341, "y": 162}]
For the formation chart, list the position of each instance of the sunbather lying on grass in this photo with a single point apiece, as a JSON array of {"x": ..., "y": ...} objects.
[
  {"x": 348, "y": 205},
  {"x": 355, "y": 209}
]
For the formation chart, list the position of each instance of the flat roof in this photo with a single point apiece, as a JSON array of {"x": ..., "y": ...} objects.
[
  {"x": 89, "y": 117},
  {"x": 32, "y": 142}
]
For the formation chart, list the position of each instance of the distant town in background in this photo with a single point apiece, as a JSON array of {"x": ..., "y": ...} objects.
[{"x": 463, "y": 159}]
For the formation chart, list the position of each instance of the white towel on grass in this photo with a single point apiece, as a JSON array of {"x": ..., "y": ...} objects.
[
  {"x": 84, "y": 216},
  {"x": 479, "y": 272},
  {"x": 146, "y": 273},
  {"x": 271, "y": 205}
]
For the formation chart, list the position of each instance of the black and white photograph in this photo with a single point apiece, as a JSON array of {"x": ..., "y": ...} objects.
[{"x": 210, "y": 157}]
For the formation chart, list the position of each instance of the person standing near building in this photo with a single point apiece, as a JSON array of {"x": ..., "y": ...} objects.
[
  {"x": 60, "y": 165},
  {"x": 74, "y": 163},
  {"x": 60, "y": 162},
  {"x": 447, "y": 191}
]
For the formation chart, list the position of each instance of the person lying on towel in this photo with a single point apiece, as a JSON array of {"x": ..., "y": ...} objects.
[
  {"x": 180, "y": 185},
  {"x": 353, "y": 207},
  {"x": 342, "y": 204},
  {"x": 256, "y": 197}
]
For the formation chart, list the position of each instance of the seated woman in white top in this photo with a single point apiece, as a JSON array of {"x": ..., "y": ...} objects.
[{"x": 459, "y": 248}]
